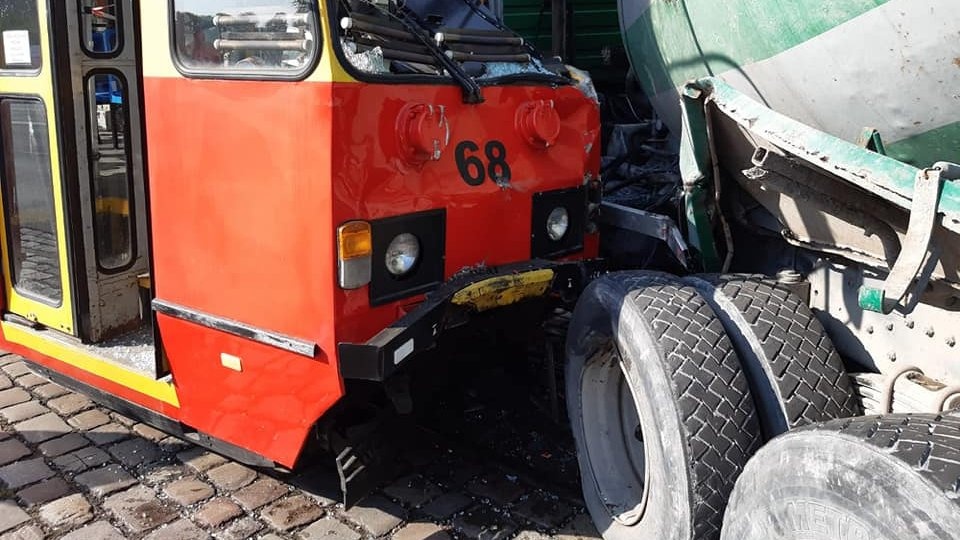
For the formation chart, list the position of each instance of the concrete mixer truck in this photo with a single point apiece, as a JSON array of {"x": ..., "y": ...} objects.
[{"x": 816, "y": 141}]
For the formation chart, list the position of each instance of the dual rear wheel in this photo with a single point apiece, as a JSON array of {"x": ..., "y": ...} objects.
[
  {"x": 662, "y": 379},
  {"x": 659, "y": 408}
]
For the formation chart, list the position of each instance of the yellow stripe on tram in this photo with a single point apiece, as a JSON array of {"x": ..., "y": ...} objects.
[{"x": 160, "y": 390}]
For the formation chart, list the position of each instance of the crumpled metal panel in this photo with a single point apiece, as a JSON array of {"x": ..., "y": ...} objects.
[{"x": 882, "y": 176}]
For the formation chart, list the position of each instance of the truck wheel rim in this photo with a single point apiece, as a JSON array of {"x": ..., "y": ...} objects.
[{"x": 613, "y": 438}]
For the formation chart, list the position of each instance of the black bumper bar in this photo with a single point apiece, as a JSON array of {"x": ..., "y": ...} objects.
[{"x": 419, "y": 330}]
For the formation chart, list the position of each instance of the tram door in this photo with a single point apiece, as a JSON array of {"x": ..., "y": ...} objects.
[
  {"x": 110, "y": 165},
  {"x": 75, "y": 238}
]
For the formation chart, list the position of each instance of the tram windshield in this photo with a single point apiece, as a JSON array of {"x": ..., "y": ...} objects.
[{"x": 245, "y": 35}]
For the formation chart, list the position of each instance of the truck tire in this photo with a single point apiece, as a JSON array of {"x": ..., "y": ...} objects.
[
  {"x": 660, "y": 411},
  {"x": 878, "y": 478},
  {"x": 796, "y": 375}
]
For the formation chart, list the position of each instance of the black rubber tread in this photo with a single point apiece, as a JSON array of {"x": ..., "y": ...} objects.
[
  {"x": 927, "y": 443},
  {"x": 812, "y": 382},
  {"x": 712, "y": 392}
]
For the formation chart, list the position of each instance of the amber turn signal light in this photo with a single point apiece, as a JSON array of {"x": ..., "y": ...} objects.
[
  {"x": 354, "y": 249},
  {"x": 355, "y": 240}
]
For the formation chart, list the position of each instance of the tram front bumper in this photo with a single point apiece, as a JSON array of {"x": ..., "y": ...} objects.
[{"x": 475, "y": 292}]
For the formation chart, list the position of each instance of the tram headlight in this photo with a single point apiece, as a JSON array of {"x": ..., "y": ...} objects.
[
  {"x": 558, "y": 222},
  {"x": 403, "y": 253}
]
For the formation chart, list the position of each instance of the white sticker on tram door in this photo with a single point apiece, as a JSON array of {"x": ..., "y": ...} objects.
[
  {"x": 16, "y": 48},
  {"x": 403, "y": 351}
]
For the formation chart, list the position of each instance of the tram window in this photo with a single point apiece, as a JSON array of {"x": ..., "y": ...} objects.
[
  {"x": 110, "y": 170},
  {"x": 28, "y": 200},
  {"x": 246, "y": 37},
  {"x": 19, "y": 35},
  {"x": 100, "y": 26}
]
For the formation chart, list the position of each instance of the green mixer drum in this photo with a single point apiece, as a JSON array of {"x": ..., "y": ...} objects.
[{"x": 837, "y": 65}]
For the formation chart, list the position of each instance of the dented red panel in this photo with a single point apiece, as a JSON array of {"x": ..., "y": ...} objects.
[
  {"x": 267, "y": 408},
  {"x": 248, "y": 182},
  {"x": 486, "y": 224}
]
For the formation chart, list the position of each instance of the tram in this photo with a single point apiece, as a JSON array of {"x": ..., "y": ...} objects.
[{"x": 217, "y": 214}]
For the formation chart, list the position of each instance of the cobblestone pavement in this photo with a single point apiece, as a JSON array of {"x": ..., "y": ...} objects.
[{"x": 72, "y": 469}]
